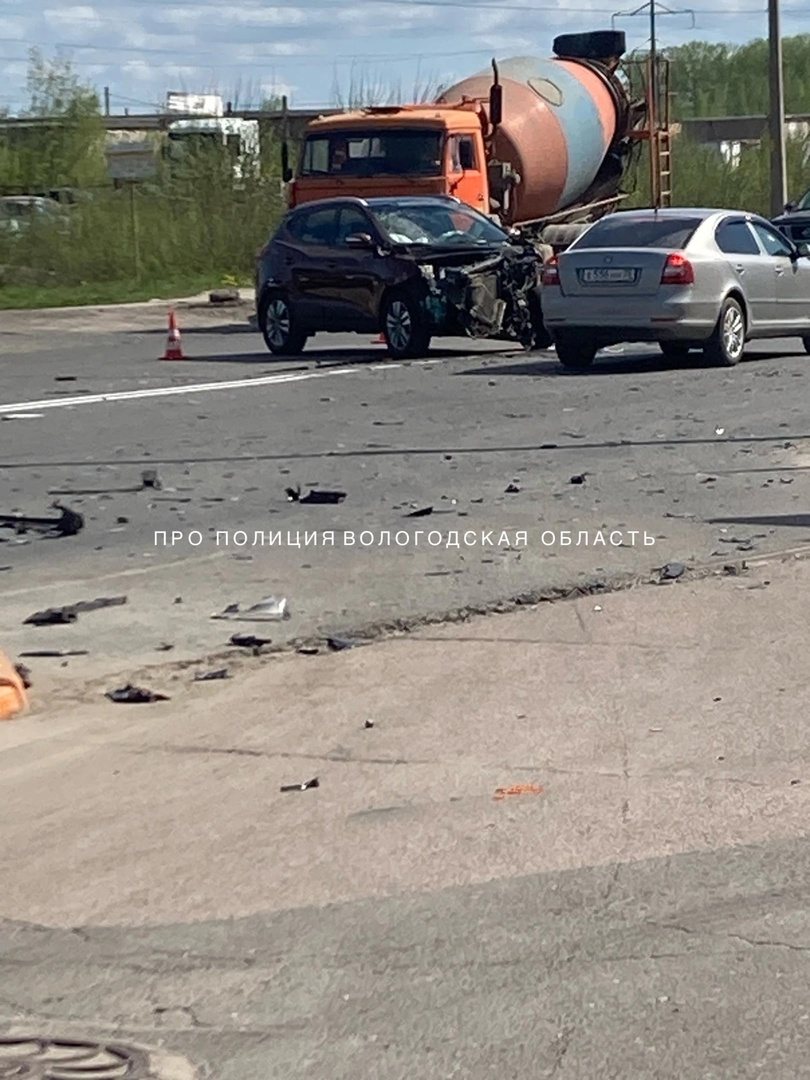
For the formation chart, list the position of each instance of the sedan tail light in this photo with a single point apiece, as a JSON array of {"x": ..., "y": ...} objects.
[
  {"x": 551, "y": 272},
  {"x": 677, "y": 270}
]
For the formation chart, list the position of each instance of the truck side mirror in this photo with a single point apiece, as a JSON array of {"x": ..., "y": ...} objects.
[
  {"x": 286, "y": 171},
  {"x": 790, "y": 207}
]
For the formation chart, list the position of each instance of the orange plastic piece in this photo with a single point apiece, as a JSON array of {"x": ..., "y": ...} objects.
[
  {"x": 13, "y": 698},
  {"x": 517, "y": 789}
]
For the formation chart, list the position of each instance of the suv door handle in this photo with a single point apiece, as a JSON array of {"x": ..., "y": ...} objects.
[
  {"x": 739, "y": 269},
  {"x": 779, "y": 270}
]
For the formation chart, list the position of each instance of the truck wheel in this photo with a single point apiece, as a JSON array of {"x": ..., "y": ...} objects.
[
  {"x": 727, "y": 343},
  {"x": 405, "y": 326},
  {"x": 576, "y": 352},
  {"x": 277, "y": 320}
]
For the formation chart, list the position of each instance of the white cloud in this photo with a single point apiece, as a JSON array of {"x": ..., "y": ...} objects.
[
  {"x": 75, "y": 16},
  {"x": 270, "y": 16},
  {"x": 17, "y": 29},
  {"x": 277, "y": 89},
  {"x": 391, "y": 17}
]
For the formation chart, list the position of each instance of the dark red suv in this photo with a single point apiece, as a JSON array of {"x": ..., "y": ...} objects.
[{"x": 410, "y": 268}]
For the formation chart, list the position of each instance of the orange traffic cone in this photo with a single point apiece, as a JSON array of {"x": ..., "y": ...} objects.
[
  {"x": 13, "y": 698},
  {"x": 174, "y": 348}
]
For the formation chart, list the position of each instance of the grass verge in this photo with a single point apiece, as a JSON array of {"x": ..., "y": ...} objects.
[{"x": 28, "y": 297}]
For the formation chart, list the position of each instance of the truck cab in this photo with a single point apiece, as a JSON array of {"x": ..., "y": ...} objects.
[{"x": 410, "y": 150}]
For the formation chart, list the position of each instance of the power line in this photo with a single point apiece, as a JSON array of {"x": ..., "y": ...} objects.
[{"x": 471, "y": 5}]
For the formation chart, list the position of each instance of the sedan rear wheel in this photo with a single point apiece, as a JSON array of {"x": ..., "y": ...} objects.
[
  {"x": 281, "y": 335},
  {"x": 726, "y": 345},
  {"x": 405, "y": 326}
]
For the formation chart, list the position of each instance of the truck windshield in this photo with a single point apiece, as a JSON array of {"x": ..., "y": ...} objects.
[
  {"x": 407, "y": 152},
  {"x": 437, "y": 225},
  {"x": 622, "y": 231}
]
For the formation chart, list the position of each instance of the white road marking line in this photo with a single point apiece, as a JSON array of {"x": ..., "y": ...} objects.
[
  {"x": 114, "y": 575},
  {"x": 169, "y": 391}
]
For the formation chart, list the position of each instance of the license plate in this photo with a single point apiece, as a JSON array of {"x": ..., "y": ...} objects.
[{"x": 608, "y": 275}]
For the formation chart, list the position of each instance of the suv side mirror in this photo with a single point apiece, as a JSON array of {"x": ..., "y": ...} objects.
[
  {"x": 790, "y": 207},
  {"x": 803, "y": 250},
  {"x": 359, "y": 240}
]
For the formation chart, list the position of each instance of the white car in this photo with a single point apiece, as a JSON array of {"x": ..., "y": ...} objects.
[{"x": 686, "y": 279}]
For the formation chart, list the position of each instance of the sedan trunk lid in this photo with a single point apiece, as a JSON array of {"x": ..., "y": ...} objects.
[{"x": 620, "y": 272}]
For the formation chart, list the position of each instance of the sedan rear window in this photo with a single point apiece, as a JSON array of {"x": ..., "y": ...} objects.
[{"x": 637, "y": 232}]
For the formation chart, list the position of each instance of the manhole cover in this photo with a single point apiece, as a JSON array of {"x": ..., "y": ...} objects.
[{"x": 75, "y": 1059}]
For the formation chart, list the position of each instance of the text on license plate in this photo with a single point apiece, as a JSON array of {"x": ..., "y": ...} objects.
[{"x": 608, "y": 275}]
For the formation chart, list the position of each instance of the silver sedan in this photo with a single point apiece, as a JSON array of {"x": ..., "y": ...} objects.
[{"x": 686, "y": 279}]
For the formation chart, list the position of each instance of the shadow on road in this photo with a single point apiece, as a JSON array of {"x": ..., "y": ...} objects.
[
  {"x": 614, "y": 364},
  {"x": 789, "y": 521}
]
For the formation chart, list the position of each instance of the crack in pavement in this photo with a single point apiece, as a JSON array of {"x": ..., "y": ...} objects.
[
  {"x": 348, "y": 759},
  {"x": 752, "y": 942}
]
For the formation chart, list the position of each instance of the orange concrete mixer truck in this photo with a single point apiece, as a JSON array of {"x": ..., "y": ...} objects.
[{"x": 540, "y": 144}]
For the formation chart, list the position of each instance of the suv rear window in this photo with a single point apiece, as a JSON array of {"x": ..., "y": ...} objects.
[{"x": 635, "y": 232}]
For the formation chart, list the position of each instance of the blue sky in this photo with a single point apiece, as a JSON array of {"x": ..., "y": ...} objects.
[{"x": 305, "y": 48}]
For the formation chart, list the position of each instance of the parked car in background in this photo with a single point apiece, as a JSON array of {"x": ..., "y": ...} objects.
[
  {"x": 409, "y": 267},
  {"x": 686, "y": 279},
  {"x": 18, "y": 213},
  {"x": 795, "y": 222}
]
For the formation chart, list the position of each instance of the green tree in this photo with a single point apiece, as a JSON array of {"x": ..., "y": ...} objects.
[{"x": 65, "y": 153}]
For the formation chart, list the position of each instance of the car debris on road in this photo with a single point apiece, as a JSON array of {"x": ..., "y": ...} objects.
[
  {"x": 134, "y": 695},
  {"x": 313, "y": 783},
  {"x": 52, "y": 654},
  {"x": 316, "y": 495},
  {"x": 70, "y": 612},
  {"x": 24, "y": 674},
  {"x": 249, "y": 641},
  {"x": 339, "y": 644},
  {"x": 672, "y": 571},
  {"x": 69, "y": 523},
  {"x": 502, "y": 793},
  {"x": 271, "y": 609}
]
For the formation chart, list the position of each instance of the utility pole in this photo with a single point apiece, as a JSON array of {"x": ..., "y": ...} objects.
[
  {"x": 106, "y": 101},
  {"x": 659, "y": 135},
  {"x": 776, "y": 111}
]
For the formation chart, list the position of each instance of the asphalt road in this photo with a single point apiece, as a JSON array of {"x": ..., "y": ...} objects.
[
  {"x": 640, "y": 915},
  {"x": 711, "y": 463},
  {"x": 643, "y": 918}
]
